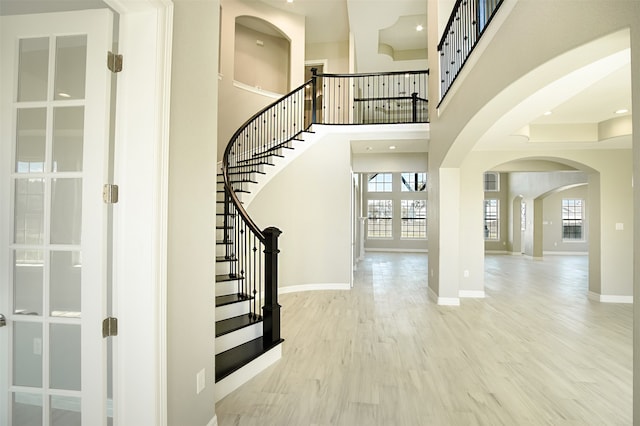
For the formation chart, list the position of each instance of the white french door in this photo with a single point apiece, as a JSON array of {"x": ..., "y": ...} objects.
[{"x": 54, "y": 136}]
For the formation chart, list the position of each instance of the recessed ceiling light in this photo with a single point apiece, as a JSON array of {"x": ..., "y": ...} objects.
[
  {"x": 392, "y": 147},
  {"x": 622, "y": 111},
  {"x": 547, "y": 113},
  {"x": 419, "y": 28},
  {"x": 369, "y": 148},
  {"x": 289, "y": 1}
]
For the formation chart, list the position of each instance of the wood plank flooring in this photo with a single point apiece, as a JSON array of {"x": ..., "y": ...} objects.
[{"x": 535, "y": 351}]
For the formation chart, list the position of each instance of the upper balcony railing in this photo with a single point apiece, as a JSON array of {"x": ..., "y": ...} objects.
[
  {"x": 379, "y": 98},
  {"x": 466, "y": 25}
]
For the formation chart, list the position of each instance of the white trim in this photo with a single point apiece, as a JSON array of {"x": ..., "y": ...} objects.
[
  {"x": 443, "y": 301},
  {"x": 565, "y": 253},
  {"x": 609, "y": 298},
  {"x": 323, "y": 62},
  {"x": 472, "y": 294},
  {"x": 238, "y": 337},
  {"x": 496, "y": 251},
  {"x": 397, "y": 250},
  {"x": 213, "y": 421},
  {"x": 157, "y": 15},
  {"x": 236, "y": 379},
  {"x": 314, "y": 287},
  {"x": 257, "y": 90}
]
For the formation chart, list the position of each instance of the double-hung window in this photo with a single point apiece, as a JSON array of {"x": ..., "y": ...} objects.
[{"x": 572, "y": 220}]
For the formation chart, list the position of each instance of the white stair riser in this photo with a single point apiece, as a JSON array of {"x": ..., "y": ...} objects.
[
  {"x": 238, "y": 337},
  {"x": 226, "y": 287},
  {"x": 223, "y": 268},
  {"x": 233, "y": 310},
  {"x": 221, "y": 249}
]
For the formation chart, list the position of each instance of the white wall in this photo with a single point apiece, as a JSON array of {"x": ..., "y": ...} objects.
[
  {"x": 552, "y": 241},
  {"x": 191, "y": 221},
  {"x": 336, "y": 54},
  {"x": 310, "y": 202}
]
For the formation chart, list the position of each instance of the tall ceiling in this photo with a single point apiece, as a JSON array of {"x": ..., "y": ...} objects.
[{"x": 384, "y": 31}]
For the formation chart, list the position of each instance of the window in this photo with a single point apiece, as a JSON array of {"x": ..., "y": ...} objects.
[
  {"x": 492, "y": 181},
  {"x": 572, "y": 217},
  {"x": 491, "y": 219},
  {"x": 523, "y": 215},
  {"x": 414, "y": 182},
  {"x": 380, "y": 215},
  {"x": 414, "y": 219},
  {"x": 379, "y": 182}
]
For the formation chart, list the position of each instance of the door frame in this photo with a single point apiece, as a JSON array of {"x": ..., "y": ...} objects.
[{"x": 140, "y": 217}]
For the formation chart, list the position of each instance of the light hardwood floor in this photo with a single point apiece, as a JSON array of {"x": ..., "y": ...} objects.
[{"x": 535, "y": 351}]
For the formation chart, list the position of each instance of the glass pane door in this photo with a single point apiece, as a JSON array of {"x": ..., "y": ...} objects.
[{"x": 55, "y": 133}]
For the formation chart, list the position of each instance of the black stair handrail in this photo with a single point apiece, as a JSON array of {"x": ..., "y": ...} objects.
[{"x": 372, "y": 98}]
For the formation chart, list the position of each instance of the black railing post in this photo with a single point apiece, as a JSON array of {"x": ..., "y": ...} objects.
[
  {"x": 414, "y": 107},
  {"x": 271, "y": 309},
  {"x": 314, "y": 82}
]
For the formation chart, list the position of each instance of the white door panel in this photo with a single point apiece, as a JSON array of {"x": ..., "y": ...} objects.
[{"x": 53, "y": 162}]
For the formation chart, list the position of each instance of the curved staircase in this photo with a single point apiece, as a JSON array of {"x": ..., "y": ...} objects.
[{"x": 247, "y": 310}]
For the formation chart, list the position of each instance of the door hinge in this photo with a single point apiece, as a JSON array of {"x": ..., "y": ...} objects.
[
  {"x": 110, "y": 193},
  {"x": 110, "y": 327},
  {"x": 114, "y": 62}
]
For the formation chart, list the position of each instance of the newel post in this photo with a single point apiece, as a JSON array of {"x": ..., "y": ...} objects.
[
  {"x": 414, "y": 104},
  {"x": 271, "y": 308},
  {"x": 314, "y": 93}
]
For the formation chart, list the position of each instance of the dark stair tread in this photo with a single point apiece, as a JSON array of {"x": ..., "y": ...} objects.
[
  {"x": 232, "y": 324},
  {"x": 226, "y": 242},
  {"x": 229, "y": 299},
  {"x": 228, "y": 214},
  {"x": 251, "y": 162},
  {"x": 224, "y": 227},
  {"x": 221, "y": 191},
  {"x": 248, "y": 172},
  {"x": 220, "y": 259},
  {"x": 228, "y": 277},
  {"x": 235, "y": 358},
  {"x": 268, "y": 154}
]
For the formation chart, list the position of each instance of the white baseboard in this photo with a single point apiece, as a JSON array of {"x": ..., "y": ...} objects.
[
  {"x": 236, "y": 379},
  {"x": 609, "y": 298},
  {"x": 314, "y": 287},
  {"x": 565, "y": 253},
  {"x": 496, "y": 252},
  {"x": 473, "y": 294},
  {"x": 396, "y": 250},
  {"x": 443, "y": 301},
  {"x": 213, "y": 421}
]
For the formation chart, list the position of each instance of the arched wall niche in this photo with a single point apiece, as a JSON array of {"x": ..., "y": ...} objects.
[{"x": 262, "y": 55}]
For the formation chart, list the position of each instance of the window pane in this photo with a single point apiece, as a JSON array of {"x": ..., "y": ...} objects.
[
  {"x": 491, "y": 219},
  {"x": 71, "y": 58},
  {"x": 26, "y": 409},
  {"x": 29, "y": 211},
  {"x": 414, "y": 219},
  {"x": 30, "y": 140},
  {"x": 66, "y": 210},
  {"x": 572, "y": 219},
  {"x": 28, "y": 275},
  {"x": 380, "y": 216},
  {"x": 64, "y": 356},
  {"x": 68, "y": 132},
  {"x": 414, "y": 182},
  {"x": 64, "y": 284},
  {"x": 491, "y": 181},
  {"x": 65, "y": 411},
  {"x": 27, "y": 354},
  {"x": 379, "y": 182},
  {"x": 33, "y": 69}
]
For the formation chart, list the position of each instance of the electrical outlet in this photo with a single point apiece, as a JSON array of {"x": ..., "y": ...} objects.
[{"x": 200, "y": 382}]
